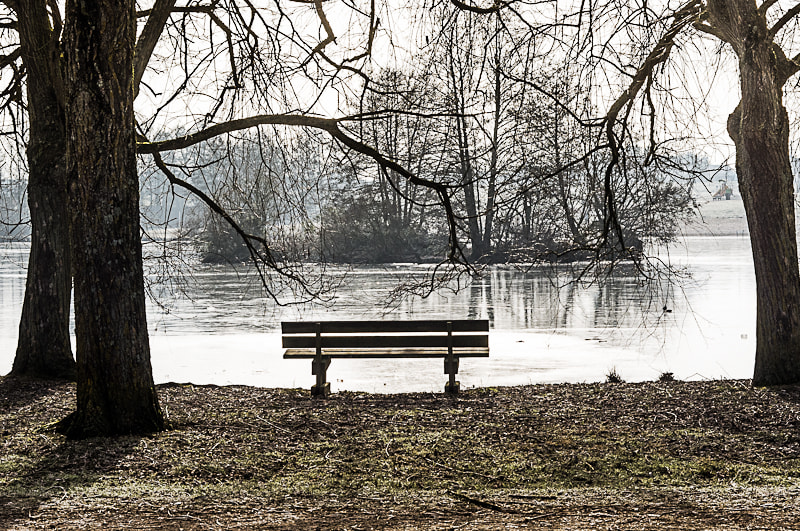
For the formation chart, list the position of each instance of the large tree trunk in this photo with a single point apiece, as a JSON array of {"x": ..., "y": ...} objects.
[
  {"x": 760, "y": 130},
  {"x": 43, "y": 348},
  {"x": 115, "y": 394}
]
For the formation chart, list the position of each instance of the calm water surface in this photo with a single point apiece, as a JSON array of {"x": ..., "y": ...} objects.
[{"x": 221, "y": 329}]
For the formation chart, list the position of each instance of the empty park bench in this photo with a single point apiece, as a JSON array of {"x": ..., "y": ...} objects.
[{"x": 322, "y": 341}]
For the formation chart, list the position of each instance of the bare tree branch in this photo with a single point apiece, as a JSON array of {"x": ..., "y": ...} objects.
[
  {"x": 257, "y": 247},
  {"x": 330, "y": 37},
  {"x": 683, "y": 17},
  {"x": 763, "y": 8},
  {"x": 178, "y": 9},
  {"x": 331, "y": 126},
  {"x": 789, "y": 15},
  {"x": 560, "y": 104},
  {"x": 209, "y": 10},
  {"x": 6, "y": 60},
  {"x": 373, "y": 27},
  {"x": 236, "y": 125},
  {"x": 319, "y": 49},
  {"x": 494, "y": 8},
  {"x": 149, "y": 38},
  {"x": 229, "y": 39}
]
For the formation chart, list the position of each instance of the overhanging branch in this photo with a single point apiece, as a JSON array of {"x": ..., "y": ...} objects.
[
  {"x": 149, "y": 38},
  {"x": 257, "y": 246},
  {"x": 494, "y": 8},
  {"x": 688, "y": 14},
  {"x": 6, "y": 60},
  {"x": 236, "y": 125},
  {"x": 788, "y": 16},
  {"x": 331, "y": 126}
]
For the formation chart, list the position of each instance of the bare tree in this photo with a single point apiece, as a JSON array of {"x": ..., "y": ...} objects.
[
  {"x": 759, "y": 37},
  {"x": 43, "y": 348}
]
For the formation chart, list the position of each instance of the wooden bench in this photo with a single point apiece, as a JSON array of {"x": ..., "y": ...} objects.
[{"x": 323, "y": 340}]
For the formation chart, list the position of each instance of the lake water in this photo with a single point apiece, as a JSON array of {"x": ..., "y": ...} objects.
[{"x": 221, "y": 329}]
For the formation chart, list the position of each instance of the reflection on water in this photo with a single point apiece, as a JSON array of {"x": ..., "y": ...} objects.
[
  {"x": 223, "y": 329},
  {"x": 13, "y": 259}
]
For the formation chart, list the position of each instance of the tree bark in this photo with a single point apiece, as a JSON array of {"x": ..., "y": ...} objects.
[
  {"x": 759, "y": 128},
  {"x": 43, "y": 348},
  {"x": 115, "y": 393}
]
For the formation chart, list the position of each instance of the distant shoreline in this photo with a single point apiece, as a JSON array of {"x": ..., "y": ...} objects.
[{"x": 719, "y": 218}]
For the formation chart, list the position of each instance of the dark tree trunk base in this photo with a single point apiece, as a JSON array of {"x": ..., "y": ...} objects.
[{"x": 79, "y": 425}]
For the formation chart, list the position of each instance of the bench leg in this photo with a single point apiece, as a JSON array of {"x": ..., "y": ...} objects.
[
  {"x": 452, "y": 388},
  {"x": 320, "y": 368},
  {"x": 451, "y": 368},
  {"x": 321, "y": 392}
]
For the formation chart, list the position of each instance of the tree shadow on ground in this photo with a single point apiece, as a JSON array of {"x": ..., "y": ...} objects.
[
  {"x": 18, "y": 392},
  {"x": 786, "y": 399},
  {"x": 790, "y": 393},
  {"x": 68, "y": 469},
  {"x": 40, "y": 467}
]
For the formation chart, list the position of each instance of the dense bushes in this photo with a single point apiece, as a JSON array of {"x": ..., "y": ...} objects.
[{"x": 359, "y": 230}]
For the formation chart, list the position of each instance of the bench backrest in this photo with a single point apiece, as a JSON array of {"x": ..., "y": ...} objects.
[{"x": 465, "y": 333}]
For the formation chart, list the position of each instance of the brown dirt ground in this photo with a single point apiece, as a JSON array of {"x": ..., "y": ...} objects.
[{"x": 660, "y": 455}]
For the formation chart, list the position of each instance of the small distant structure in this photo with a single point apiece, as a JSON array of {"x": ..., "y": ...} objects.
[{"x": 724, "y": 192}]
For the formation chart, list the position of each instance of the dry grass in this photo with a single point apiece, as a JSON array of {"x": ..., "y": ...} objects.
[{"x": 699, "y": 455}]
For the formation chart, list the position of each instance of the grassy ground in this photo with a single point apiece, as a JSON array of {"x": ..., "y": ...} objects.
[{"x": 699, "y": 455}]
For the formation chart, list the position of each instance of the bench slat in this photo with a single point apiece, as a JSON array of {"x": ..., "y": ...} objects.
[
  {"x": 378, "y": 327},
  {"x": 367, "y": 341},
  {"x": 386, "y": 353}
]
